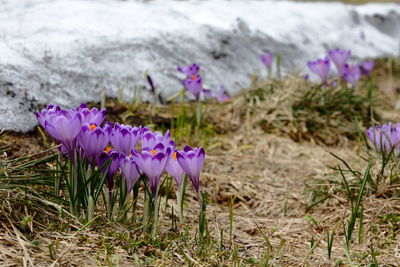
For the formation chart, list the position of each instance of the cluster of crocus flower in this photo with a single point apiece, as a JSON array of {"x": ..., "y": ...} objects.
[
  {"x": 349, "y": 73},
  {"x": 135, "y": 151},
  {"x": 193, "y": 82},
  {"x": 385, "y": 138}
]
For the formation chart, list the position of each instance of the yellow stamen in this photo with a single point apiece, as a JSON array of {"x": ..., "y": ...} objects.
[
  {"x": 174, "y": 155},
  {"x": 153, "y": 152},
  {"x": 108, "y": 149},
  {"x": 92, "y": 127},
  {"x": 194, "y": 77}
]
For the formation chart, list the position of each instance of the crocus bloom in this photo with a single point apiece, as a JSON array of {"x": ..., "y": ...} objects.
[
  {"x": 175, "y": 170},
  {"x": 93, "y": 140},
  {"x": 153, "y": 163},
  {"x": 92, "y": 116},
  {"x": 194, "y": 85},
  {"x": 385, "y": 137},
  {"x": 191, "y": 161},
  {"x": 64, "y": 126},
  {"x": 125, "y": 137},
  {"x": 130, "y": 171},
  {"x": 339, "y": 58},
  {"x": 150, "y": 140},
  {"x": 351, "y": 74},
  {"x": 222, "y": 96},
  {"x": 115, "y": 158},
  {"x": 208, "y": 93},
  {"x": 189, "y": 70},
  {"x": 267, "y": 59},
  {"x": 367, "y": 67},
  {"x": 47, "y": 112},
  {"x": 320, "y": 67}
]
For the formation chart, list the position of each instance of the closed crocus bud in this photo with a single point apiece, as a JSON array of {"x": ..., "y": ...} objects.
[
  {"x": 321, "y": 67},
  {"x": 130, "y": 171},
  {"x": 47, "y": 112},
  {"x": 339, "y": 58},
  {"x": 385, "y": 138},
  {"x": 153, "y": 163},
  {"x": 194, "y": 85},
  {"x": 64, "y": 126},
  {"x": 267, "y": 59},
  {"x": 175, "y": 170},
  {"x": 125, "y": 137},
  {"x": 191, "y": 161},
  {"x": 367, "y": 67},
  {"x": 351, "y": 74},
  {"x": 93, "y": 140},
  {"x": 189, "y": 70}
]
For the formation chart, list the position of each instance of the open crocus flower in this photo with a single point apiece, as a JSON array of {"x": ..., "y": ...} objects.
[
  {"x": 194, "y": 85},
  {"x": 130, "y": 171},
  {"x": 339, "y": 58},
  {"x": 385, "y": 138},
  {"x": 152, "y": 163},
  {"x": 222, "y": 96},
  {"x": 320, "y": 67},
  {"x": 189, "y": 70},
  {"x": 92, "y": 116},
  {"x": 367, "y": 67},
  {"x": 150, "y": 140},
  {"x": 351, "y": 74},
  {"x": 191, "y": 161},
  {"x": 175, "y": 170},
  {"x": 64, "y": 126},
  {"x": 47, "y": 112},
  {"x": 125, "y": 137},
  {"x": 267, "y": 59},
  {"x": 93, "y": 140}
]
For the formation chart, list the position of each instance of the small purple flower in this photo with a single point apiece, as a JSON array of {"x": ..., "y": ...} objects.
[
  {"x": 191, "y": 161},
  {"x": 385, "y": 137},
  {"x": 151, "y": 140},
  {"x": 93, "y": 140},
  {"x": 130, "y": 171},
  {"x": 367, "y": 67},
  {"x": 208, "y": 93},
  {"x": 125, "y": 137},
  {"x": 267, "y": 59},
  {"x": 222, "y": 96},
  {"x": 194, "y": 85},
  {"x": 339, "y": 58},
  {"x": 320, "y": 67},
  {"x": 64, "y": 126},
  {"x": 47, "y": 112},
  {"x": 175, "y": 170},
  {"x": 351, "y": 74},
  {"x": 115, "y": 158},
  {"x": 153, "y": 163},
  {"x": 92, "y": 116},
  {"x": 189, "y": 70}
]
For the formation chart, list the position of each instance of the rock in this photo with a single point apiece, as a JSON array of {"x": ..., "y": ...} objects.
[{"x": 67, "y": 52}]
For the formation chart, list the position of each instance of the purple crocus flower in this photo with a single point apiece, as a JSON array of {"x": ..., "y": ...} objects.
[
  {"x": 339, "y": 58},
  {"x": 222, "y": 96},
  {"x": 125, "y": 137},
  {"x": 115, "y": 158},
  {"x": 93, "y": 140},
  {"x": 64, "y": 126},
  {"x": 208, "y": 93},
  {"x": 351, "y": 74},
  {"x": 191, "y": 161},
  {"x": 175, "y": 170},
  {"x": 267, "y": 59},
  {"x": 367, "y": 67},
  {"x": 43, "y": 115},
  {"x": 385, "y": 137},
  {"x": 92, "y": 116},
  {"x": 194, "y": 85},
  {"x": 130, "y": 171},
  {"x": 151, "y": 140},
  {"x": 189, "y": 70},
  {"x": 153, "y": 163},
  {"x": 320, "y": 67}
]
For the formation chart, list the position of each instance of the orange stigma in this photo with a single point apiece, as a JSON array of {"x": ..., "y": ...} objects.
[
  {"x": 153, "y": 152},
  {"x": 174, "y": 155},
  {"x": 108, "y": 149},
  {"x": 92, "y": 127},
  {"x": 194, "y": 77}
]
